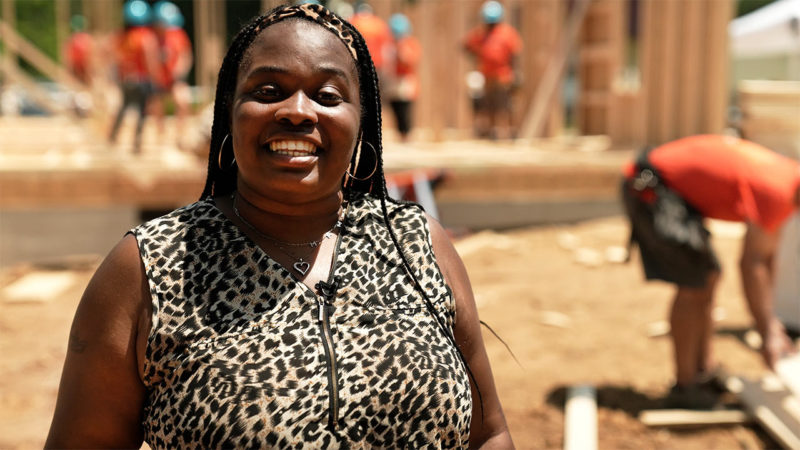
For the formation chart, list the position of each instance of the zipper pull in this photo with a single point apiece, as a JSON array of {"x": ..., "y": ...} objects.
[{"x": 321, "y": 316}]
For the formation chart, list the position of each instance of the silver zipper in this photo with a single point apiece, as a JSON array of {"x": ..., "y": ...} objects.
[{"x": 333, "y": 378}]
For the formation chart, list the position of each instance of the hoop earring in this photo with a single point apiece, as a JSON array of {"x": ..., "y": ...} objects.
[
  {"x": 374, "y": 169},
  {"x": 219, "y": 155}
]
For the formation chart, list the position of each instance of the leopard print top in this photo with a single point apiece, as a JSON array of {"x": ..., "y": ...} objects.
[{"x": 241, "y": 354}]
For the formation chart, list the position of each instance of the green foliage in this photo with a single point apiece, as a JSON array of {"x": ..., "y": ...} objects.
[
  {"x": 746, "y": 6},
  {"x": 35, "y": 21}
]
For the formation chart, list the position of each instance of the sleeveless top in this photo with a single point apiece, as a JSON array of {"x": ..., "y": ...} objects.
[{"x": 242, "y": 354}]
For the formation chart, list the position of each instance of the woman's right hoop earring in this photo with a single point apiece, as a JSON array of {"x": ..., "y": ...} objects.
[
  {"x": 219, "y": 155},
  {"x": 374, "y": 169}
]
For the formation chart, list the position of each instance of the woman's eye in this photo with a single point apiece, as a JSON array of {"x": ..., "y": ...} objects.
[
  {"x": 267, "y": 92},
  {"x": 329, "y": 98}
]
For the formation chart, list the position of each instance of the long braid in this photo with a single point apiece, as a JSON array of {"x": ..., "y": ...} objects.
[{"x": 372, "y": 126}]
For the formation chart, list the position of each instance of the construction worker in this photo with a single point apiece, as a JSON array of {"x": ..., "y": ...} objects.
[
  {"x": 78, "y": 53},
  {"x": 378, "y": 38},
  {"x": 495, "y": 45},
  {"x": 667, "y": 192},
  {"x": 78, "y": 50},
  {"x": 405, "y": 81},
  {"x": 136, "y": 56},
  {"x": 175, "y": 51}
]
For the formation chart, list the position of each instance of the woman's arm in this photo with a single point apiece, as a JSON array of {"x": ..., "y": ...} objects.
[
  {"x": 101, "y": 393},
  {"x": 491, "y": 430}
]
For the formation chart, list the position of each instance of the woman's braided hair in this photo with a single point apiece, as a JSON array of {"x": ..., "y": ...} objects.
[{"x": 221, "y": 179}]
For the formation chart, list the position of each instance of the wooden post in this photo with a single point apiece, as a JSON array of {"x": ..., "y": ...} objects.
[
  {"x": 9, "y": 55},
  {"x": 540, "y": 31},
  {"x": 689, "y": 75},
  {"x": 646, "y": 22},
  {"x": 210, "y": 41},
  {"x": 665, "y": 114},
  {"x": 18, "y": 45},
  {"x": 716, "y": 73},
  {"x": 533, "y": 124}
]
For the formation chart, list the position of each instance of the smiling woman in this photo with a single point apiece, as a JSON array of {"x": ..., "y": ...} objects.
[{"x": 295, "y": 304}]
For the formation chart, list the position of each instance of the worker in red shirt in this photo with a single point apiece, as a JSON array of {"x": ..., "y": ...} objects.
[
  {"x": 495, "y": 45},
  {"x": 378, "y": 38},
  {"x": 404, "y": 88},
  {"x": 667, "y": 192},
  {"x": 78, "y": 50},
  {"x": 78, "y": 57},
  {"x": 176, "y": 59},
  {"x": 136, "y": 57}
]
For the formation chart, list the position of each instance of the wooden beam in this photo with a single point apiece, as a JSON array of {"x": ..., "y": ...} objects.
[
  {"x": 9, "y": 54},
  {"x": 788, "y": 369},
  {"x": 690, "y": 70},
  {"x": 771, "y": 404},
  {"x": 533, "y": 124},
  {"x": 665, "y": 112},
  {"x": 683, "y": 418},
  {"x": 37, "y": 58},
  {"x": 580, "y": 418},
  {"x": 715, "y": 88}
]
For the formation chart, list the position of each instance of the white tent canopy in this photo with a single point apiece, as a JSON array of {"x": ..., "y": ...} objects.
[{"x": 771, "y": 30}]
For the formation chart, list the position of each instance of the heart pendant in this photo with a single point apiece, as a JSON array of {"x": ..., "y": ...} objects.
[{"x": 302, "y": 267}]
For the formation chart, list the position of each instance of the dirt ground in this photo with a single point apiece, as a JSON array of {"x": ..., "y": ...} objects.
[{"x": 568, "y": 314}]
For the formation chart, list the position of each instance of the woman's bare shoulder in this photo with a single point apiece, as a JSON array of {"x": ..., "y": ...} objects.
[{"x": 101, "y": 393}]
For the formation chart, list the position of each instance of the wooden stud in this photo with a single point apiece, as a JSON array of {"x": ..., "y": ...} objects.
[
  {"x": 9, "y": 17},
  {"x": 689, "y": 71},
  {"x": 18, "y": 45},
  {"x": 767, "y": 402},
  {"x": 682, "y": 418},
  {"x": 715, "y": 88},
  {"x": 534, "y": 121},
  {"x": 666, "y": 114}
]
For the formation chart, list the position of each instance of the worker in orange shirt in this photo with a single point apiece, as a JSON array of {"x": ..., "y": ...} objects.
[
  {"x": 495, "y": 45},
  {"x": 78, "y": 54},
  {"x": 667, "y": 193},
  {"x": 404, "y": 88},
  {"x": 175, "y": 51},
  {"x": 78, "y": 50},
  {"x": 137, "y": 66},
  {"x": 378, "y": 38}
]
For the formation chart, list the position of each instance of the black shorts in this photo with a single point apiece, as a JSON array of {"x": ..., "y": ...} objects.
[{"x": 663, "y": 260}]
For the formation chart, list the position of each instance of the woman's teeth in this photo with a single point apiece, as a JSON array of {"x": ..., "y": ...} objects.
[{"x": 292, "y": 148}]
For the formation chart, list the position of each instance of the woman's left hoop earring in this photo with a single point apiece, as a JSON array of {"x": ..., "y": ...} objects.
[
  {"x": 374, "y": 169},
  {"x": 219, "y": 155}
]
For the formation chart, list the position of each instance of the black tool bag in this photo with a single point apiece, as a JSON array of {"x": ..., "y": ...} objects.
[{"x": 674, "y": 220}]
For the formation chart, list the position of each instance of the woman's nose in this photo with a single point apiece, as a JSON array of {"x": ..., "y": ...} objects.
[{"x": 297, "y": 110}]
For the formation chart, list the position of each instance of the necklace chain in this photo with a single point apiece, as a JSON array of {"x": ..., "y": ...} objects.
[
  {"x": 300, "y": 265},
  {"x": 311, "y": 244}
]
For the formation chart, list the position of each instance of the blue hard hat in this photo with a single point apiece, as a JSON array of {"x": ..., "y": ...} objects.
[
  {"x": 399, "y": 25},
  {"x": 137, "y": 13},
  {"x": 310, "y": 2},
  {"x": 168, "y": 14},
  {"x": 492, "y": 12},
  {"x": 77, "y": 22}
]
